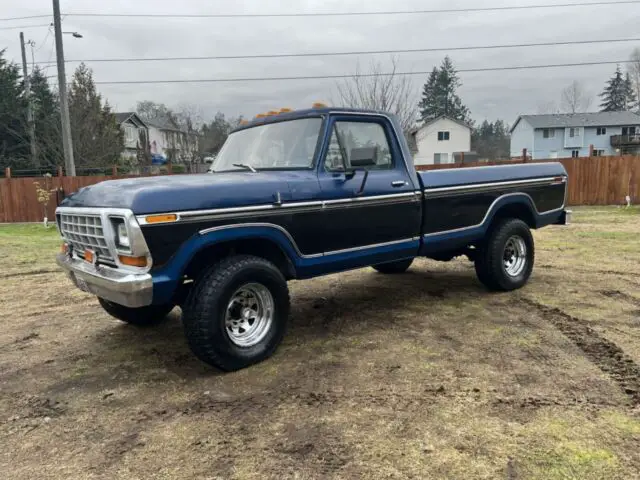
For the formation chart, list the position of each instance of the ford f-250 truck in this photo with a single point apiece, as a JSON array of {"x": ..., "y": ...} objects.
[{"x": 294, "y": 195}]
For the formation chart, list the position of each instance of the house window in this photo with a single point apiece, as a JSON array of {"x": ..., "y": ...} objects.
[
  {"x": 574, "y": 132},
  {"x": 129, "y": 134},
  {"x": 443, "y": 136},
  {"x": 598, "y": 153},
  {"x": 601, "y": 131},
  {"x": 628, "y": 131},
  {"x": 439, "y": 158},
  {"x": 548, "y": 133},
  {"x": 575, "y": 153}
]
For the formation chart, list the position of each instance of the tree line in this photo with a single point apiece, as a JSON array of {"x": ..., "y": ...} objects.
[{"x": 98, "y": 140}]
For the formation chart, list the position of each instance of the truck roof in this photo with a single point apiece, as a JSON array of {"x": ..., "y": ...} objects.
[{"x": 306, "y": 113}]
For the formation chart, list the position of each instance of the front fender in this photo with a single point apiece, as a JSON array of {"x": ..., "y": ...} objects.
[{"x": 168, "y": 277}]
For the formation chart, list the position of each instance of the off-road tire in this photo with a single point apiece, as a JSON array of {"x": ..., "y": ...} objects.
[
  {"x": 400, "y": 266},
  {"x": 140, "y": 317},
  {"x": 489, "y": 258},
  {"x": 204, "y": 312}
]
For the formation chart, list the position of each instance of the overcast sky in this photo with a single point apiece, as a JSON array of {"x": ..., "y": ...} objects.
[{"x": 489, "y": 95}]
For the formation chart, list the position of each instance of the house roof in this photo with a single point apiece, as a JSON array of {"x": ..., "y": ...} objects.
[
  {"x": 441, "y": 117},
  {"x": 122, "y": 117},
  {"x": 597, "y": 119},
  {"x": 163, "y": 123}
]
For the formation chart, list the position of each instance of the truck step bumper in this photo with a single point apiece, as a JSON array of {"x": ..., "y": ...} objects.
[{"x": 124, "y": 288}]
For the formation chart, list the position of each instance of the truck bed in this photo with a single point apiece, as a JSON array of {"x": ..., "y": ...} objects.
[{"x": 461, "y": 203}]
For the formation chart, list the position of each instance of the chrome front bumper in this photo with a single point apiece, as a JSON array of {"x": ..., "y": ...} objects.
[{"x": 125, "y": 288}]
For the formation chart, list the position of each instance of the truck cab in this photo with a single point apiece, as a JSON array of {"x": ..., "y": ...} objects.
[{"x": 294, "y": 195}]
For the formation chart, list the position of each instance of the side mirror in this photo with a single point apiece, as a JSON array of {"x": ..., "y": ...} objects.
[
  {"x": 360, "y": 159},
  {"x": 363, "y": 157}
]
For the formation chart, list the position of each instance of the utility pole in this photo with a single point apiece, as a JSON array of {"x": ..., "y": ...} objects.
[
  {"x": 27, "y": 96},
  {"x": 67, "y": 143}
]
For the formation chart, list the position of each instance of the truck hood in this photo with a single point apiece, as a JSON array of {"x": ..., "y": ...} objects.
[{"x": 173, "y": 193}]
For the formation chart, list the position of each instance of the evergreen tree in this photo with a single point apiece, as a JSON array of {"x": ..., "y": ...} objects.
[
  {"x": 439, "y": 94},
  {"x": 97, "y": 138},
  {"x": 14, "y": 140},
  {"x": 491, "y": 140},
  {"x": 615, "y": 94},
  {"x": 46, "y": 117}
]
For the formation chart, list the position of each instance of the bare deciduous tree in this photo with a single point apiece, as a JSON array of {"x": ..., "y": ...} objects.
[
  {"x": 634, "y": 73},
  {"x": 575, "y": 99},
  {"x": 381, "y": 89},
  {"x": 547, "y": 108},
  {"x": 189, "y": 119}
]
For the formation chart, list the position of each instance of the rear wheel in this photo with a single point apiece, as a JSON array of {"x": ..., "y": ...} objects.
[
  {"x": 236, "y": 313},
  {"x": 400, "y": 266},
  {"x": 141, "y": 317},
  {"x": 505, "y": 261}
]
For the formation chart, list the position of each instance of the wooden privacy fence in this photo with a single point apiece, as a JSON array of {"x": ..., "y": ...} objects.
[
  {"x": 19, "y": 198},
  {"x": 592, "y": 181}
]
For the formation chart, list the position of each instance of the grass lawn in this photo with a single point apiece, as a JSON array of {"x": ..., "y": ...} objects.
[{"x": 421, "y": 375}]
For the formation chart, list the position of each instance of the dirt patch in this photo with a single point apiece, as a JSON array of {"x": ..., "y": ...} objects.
[
  {"x": 618, "y": 295},
  {"x": 610, "y": 358}
]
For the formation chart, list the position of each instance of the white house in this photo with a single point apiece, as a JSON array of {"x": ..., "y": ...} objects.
[
  {"x": 438, "y": 140},
  {"x": 168, "y": 142}
]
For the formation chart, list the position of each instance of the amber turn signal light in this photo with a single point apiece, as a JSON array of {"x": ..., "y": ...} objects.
[
  {"x": 133, "y": 261},
  {"x": 64, "y": 248},
  {"x": 161, "y": 218},
  {"x": 89, "y": 256}
]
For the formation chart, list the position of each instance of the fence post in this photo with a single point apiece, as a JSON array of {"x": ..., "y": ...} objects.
[
  {"x": 114, "y": 171},
  {"x": 591, "y": 150},
  {"x": 59, "y": 171},
  {"x": 7, "y": 172},
  {"x": 461, "y": 157},
  {"x": 524, "y": 155},
  {"x": 169, "y": 168}
]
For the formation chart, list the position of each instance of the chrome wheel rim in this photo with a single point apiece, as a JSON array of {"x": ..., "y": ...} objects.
[
  {"x": 515, "y": 256},
  {"x": 249, "y": 314}
]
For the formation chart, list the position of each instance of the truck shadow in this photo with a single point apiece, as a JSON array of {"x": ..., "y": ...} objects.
[{"x": 319, "y": 308}]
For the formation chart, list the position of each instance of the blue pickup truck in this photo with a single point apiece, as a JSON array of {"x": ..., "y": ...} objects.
[{"x": 294, "y": 195}]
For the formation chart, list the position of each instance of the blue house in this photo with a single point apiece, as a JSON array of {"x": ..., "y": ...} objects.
[{"x": 576, "y": 134}]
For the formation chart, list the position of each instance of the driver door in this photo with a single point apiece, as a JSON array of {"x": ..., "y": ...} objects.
[{"x": 386, "y": 210}]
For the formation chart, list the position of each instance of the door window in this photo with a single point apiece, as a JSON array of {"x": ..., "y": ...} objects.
[{"x": 349, "y": 135}]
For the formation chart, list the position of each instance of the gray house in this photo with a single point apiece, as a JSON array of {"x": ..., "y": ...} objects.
[
  {"x": 136, "y": 133},
  {"x": 573, "y": 135}
]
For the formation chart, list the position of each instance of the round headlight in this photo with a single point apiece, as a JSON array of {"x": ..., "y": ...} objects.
[{"x": 123, "y": 235}]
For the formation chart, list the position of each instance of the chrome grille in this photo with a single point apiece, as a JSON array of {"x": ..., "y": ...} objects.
[{"x": 84, "y": 232}]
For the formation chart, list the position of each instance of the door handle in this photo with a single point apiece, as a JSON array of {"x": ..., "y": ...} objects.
[{"x": 398, "y": 183}]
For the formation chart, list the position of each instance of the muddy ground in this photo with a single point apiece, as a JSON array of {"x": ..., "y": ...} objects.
[{"x": 422, "y": 375}]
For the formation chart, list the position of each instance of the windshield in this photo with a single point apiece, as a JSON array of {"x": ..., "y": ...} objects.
[{"x": 282, "y": 145}]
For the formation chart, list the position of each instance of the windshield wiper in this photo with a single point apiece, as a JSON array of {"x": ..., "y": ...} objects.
[{"x": 242, "y": 165}]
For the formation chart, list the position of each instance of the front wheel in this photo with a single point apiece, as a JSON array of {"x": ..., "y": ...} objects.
[
  {"x": 140, "y": 317},
  {"x": 236, "y": 313},
  {"x": 504, "y": 261},
  {"x": 400, "y": 266}
]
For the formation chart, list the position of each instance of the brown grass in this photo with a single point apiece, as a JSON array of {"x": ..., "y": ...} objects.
[{"x": 423, "y": 375}]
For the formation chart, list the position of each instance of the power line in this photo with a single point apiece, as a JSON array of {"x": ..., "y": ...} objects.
[
  {"x": 25, "y": 26},
  {"x": 340, "y": 14},
  {"x": 364, "y": 52},
  {"x": 321, "y": 77},
  {"x": 23, "y": 18}
]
